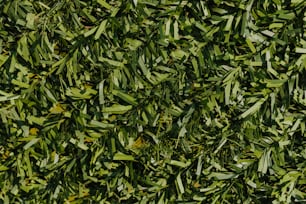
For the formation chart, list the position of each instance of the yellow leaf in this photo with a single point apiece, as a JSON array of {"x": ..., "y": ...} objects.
[
  {"x": 56, "y": 109},
  {"x": 139, "y": 143},
  {"x": 34, "y": 76},
  {"x": 196, "y": 185},
  {"x": 112, "y": 118},
  {"x": 88, "y": 139},
  {"x": 5, "y": 155},
  {"x": 33, "y": 131},
  {"x": 72, "y": 198},
  {"x": 88, "y": 86}
]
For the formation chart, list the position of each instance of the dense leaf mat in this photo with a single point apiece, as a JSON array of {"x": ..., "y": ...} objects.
[{"x": 152, "y": 101}]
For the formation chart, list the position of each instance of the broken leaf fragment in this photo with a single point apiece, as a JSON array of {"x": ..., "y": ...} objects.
[
  {"x": 56, "y": 109},
  {"x": 76, "y": 93},
  {"x": 33, "y": 131},
  {"x": 123, "y": 157},
  {"x": 117, "y": 109}
]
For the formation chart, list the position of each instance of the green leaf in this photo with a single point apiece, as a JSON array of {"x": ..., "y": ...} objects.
[
  {"x": 127, "y": 98},
  {"x": 90, "y": 32},
  {"x": 3, "y": 59},
  {"x": 36, "y": 120},
  {"x": 30, "y": 20},
  {"x": 101, "y": 29},
  {"x": 112, "y": 62},
  {"x": 180, "y": 184},
  {"x": 3, "y": 168},
  {"x": 132, "y": 44},
  {"x": 275, "y": 83},
  {"x": 117, "y": 109},
  {"x": 253, "y": 109},
  {"x": 251, "y": 46},
  {"x": 264, "y": 162},
  {"x": 31, "y": 143},
  {"x": 95, "y": 123},
  {"x": 223, "y": 176},
  {"x": 76, "y": 93},
  {"x": 123, "y": 157},
  {"x": 104, "y": 4},
  {"x": 22, "y": 48},
  {"x": 180, "y": 164},
  {"x": 300, "y": 50}
]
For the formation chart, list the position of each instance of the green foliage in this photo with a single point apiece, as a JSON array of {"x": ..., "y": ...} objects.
[{"x": 152, "y": 101}]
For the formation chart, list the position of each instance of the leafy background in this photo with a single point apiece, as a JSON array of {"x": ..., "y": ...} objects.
[{"x": 152, "y": 101}]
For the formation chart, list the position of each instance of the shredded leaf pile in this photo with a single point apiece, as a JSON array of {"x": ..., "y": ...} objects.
[{"x": 156, "y": 101}]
